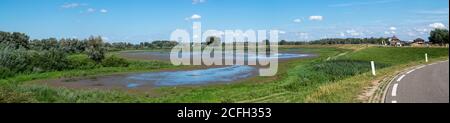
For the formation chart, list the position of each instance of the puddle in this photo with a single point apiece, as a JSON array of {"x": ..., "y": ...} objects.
[
  {"x": 193, "y": 77},
  {"x": 133, "y": 85}
]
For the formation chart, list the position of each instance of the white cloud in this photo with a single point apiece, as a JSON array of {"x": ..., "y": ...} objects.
[
  {"x": 437, "y": 26},
  {"x": 316, "y": 18},
  {"x": 393, "y": 28},
  {"x": 303, "y": 35},
  {"x": 198, "y": 1},
  {"x": 70, "y": 5},
  {"x": 298, "y": 20},
  {"x": 353, "y": 32},
  {"x": 342, "y": 34},
  {"x": 282, "y": 32},
  {"x": 91, "y": 10},
  {"x": 390, "y": 32},
  {"x": 104, "y": 11},
  {"x": 83, "y": 6},
  {"x": 195, "y": 17},
  {"x": 421, "y": 30},
  {"x": 105, "y": 38},
  {"x": 412, "y": 34}
]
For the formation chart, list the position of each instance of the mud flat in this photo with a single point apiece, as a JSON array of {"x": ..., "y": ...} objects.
[{"x": 149, "y": 80}]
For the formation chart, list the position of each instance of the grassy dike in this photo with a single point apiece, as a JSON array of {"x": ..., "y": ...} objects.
[
  {"x": 338, "y": 74},
  {"x": 361, "y": 88}
]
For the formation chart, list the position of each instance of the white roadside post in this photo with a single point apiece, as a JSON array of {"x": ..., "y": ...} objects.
[
  {"x": 426, "y": 57},
  {"x": 372, "y": 63}
]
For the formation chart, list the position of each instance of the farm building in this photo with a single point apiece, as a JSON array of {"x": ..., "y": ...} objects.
[
  {"x": 396, "y": 42},
  {"x": 418, "y": 42}
]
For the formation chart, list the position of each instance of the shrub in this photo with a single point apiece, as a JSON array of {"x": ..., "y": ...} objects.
[
  {"x": 329, "y": 71},
  {"x": 81, "y": 61},
  {"x": 340, "y": 69},
  {"x": 114, "y": 61},
  {"x": 49, "y": 60},
  {"x": 5, "y": 72},
  {"x": 17, "y": 60},
  {"x": 96, "y": 50}
]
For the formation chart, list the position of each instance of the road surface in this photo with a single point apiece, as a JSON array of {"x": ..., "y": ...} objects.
[{"x": 423, "y": 84}]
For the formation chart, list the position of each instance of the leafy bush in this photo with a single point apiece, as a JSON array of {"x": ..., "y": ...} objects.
[
  {"x": 81, "y": 61},
  {"x": 5, "y": 72},
  {"x": 114, "y": 61},
  {"x": 50, "y": 60},
  {"x": 15, "y": 61},
  {"x": 18, "y": 60}
]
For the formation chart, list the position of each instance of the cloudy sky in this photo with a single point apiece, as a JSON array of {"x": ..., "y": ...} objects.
[{"x": 147, "y": 20}]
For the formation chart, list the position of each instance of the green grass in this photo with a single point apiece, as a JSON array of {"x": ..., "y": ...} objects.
[
  {"x": 316, "y": 79},
  {"x": 397, "y": 59},
  {"x": 395, "y": 56}
]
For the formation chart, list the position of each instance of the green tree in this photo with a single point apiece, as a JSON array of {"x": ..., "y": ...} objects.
[
  {"x": 439, "y": 36},
  {"x": 14, "y": 40},
  {"x": 20, "y": 39},
  {"x": 96, "y": 50}
]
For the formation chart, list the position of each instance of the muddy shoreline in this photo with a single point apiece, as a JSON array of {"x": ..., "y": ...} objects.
[{"x": 148, "y": 81}]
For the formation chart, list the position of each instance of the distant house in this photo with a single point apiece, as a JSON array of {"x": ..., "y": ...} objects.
[
  {"x": 418, "y": 42},
  {"x": 396, "y": 42}
]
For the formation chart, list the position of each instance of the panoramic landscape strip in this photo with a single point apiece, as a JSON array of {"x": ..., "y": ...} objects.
[{"x": 233, "y": 51}]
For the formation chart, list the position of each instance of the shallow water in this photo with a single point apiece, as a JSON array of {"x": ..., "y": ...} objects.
[
  {"x": 193, "y": 77},
  {"x": 198, "y": 77},
  {"x": 210, "y": 75},
  {"x": 165, "y": 56}
]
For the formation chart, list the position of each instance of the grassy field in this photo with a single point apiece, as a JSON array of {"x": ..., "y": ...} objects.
[{"x": 338, "y": 74}]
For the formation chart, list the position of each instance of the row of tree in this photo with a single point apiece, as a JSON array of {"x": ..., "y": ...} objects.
[
  {"x": 437, "y": 36},
  {"x": 20, "y": 55},
  {"x": 17, "y": 40},
  {"x": 14, "y": 40},
  {"x": 339, "y": 41}
]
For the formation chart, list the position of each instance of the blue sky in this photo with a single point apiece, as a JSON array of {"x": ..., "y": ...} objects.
[{"x": 147, "y": 20}]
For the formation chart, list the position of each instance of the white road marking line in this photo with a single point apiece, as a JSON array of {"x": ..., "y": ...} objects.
[
  {"x": 420, "y": 67},
  {"x": 400, "y": 78},
  {"x": 410, "y": 71},
  {"x": 394, "y": 90},
  {"x": 394, "y": 101}
]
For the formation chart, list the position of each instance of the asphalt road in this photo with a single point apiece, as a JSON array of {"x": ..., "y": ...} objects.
[{"x": 424, "y": 84}]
